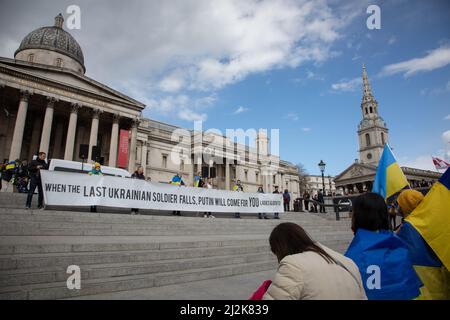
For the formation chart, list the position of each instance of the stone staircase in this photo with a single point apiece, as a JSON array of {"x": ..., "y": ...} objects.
[{"x": 117, "y": 251}]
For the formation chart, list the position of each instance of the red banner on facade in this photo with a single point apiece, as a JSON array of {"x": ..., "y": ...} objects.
[{"x": 122, "y": 159}]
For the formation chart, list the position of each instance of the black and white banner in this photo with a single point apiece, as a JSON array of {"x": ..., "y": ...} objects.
[{"x": 74, "y": 189}]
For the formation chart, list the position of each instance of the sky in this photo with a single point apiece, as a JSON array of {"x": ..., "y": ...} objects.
[{"x": 292, "y": 65}]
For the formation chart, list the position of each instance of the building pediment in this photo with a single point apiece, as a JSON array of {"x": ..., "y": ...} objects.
[
  {"x": 66, "y": 78},
  {"x": 355, "y": 172}
]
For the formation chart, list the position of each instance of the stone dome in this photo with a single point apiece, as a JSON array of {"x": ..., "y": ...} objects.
[{"x": 53, "y": 38}]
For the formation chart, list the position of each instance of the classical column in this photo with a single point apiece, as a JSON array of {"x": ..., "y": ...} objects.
[
  {"x": 144, "y": 156},
  {"x": 58, "y": 138},
  {"x": 16, "y": 144},
  {"x": 47, "y": 127},
  {"x": 133, "y": 142},
  {"x": 34, "y": 140},
  {"x": 114, "y": 141},
  {"x": 94, "y": 132},
  {"x": 71, "y": 130},
  {"x": 227, "y": 175}
]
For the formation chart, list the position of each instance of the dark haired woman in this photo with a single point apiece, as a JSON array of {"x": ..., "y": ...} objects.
[
  {"x": 382, "y": 257},
  {"x": 310, "y": 271}
]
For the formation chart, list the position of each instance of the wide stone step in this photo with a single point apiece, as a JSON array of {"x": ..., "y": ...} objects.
[
  {"x": 24, "y": 261},
  {"x": 58, "y": 273},
  {"x": 58, "y": 290}
]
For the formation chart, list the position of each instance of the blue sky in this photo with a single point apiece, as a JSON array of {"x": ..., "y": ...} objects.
[{"x": 285, "y": 64}]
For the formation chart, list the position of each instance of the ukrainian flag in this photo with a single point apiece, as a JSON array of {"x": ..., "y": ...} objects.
[
  {"x": 389, "y": 178},
  {"x": 431, "y": 219}
]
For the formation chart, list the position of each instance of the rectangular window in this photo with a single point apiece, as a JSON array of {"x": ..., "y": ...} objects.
[
  {"x": 164, "y": 161},
  {"x": 246, "y": 175},
  {"x": 182, "y": 165}
]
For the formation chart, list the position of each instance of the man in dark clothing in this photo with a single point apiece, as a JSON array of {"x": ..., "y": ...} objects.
[
  {"x": 35, "y": 179},
  {"x": 138, "y": 174},
  {"x": 321, "y": 201},
  {"x": 275, "y": 215},
  {"x": 306, "y": 200},
  {"x": 286, "y": 200}
]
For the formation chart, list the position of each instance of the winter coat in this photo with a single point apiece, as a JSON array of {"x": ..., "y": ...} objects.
[{"x": 308, "y": 276}]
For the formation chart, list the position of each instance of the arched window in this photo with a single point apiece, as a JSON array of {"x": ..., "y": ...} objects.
[
  {"x": 58, "y": 62},
  {"x": 367, "y": 139},
  {"x": 382, "y": 139},
  {"x": 30, "y": 57},
  {"x": 371, "y": 110},
  {"x": 366, "y": 111}
]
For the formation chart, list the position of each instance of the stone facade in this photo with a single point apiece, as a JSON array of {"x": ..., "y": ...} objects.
[{"x": 50, "y": 105}]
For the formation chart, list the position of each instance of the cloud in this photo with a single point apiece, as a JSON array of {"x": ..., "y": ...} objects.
[
  {"x": 435, "y": 59},
  {"x": 188, "y": 47},
  {"x": 347, "y": 85},
  {"x": 306, "y": 129},
  {"x": 447, "y": 117},
  {"x": 292, "y": 116},
  {"x": 392, "y": 40},
  {"x": 240, "y": 110}
]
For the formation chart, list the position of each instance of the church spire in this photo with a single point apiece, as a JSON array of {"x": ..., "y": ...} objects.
[{"x": 366, "y": 85}]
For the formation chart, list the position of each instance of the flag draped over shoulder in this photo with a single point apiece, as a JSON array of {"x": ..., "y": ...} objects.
[
  {"x": 426, "y": 264},
  {"x": 384, "y": 251},
  {"x": 389, "y": 178},
  {"x": 431, "y": 218},
  {"x": 176, "y": 180}
]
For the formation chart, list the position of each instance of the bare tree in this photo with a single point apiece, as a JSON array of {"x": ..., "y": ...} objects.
[{"x": 302, "y": 173}]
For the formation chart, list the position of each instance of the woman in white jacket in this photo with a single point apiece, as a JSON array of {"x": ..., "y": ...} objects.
[{"x": 310, "y": 271}]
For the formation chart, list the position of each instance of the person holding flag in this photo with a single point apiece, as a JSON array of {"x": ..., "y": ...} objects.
[
  {"x": 426, "y": 230},
  {"x": 382, "y": 257}
]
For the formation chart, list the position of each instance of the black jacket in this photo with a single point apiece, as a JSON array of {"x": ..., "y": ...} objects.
[
  {"x": 34, "y": 170},
  {"x": 137, "y": 175}
]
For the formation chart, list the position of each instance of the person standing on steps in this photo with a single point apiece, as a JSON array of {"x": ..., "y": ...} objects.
[
  {"x": 208, "y": 185},
  {"x": 35, "y": 180},
  {"x": 286, "y": 200},
  {"x": 321, "y": 200},
  {"x": 138, "y": 174},
  {"x": 96, "y": 171},
  {"x": 275, "y": 215},
  {"x": 238, "y": 188},
  {"x": 177, "y": 181},
  {"x": 263, "y": 214}
]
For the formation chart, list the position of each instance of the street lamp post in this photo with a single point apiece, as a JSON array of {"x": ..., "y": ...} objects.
[
  {"x": 329, "y": 181},
  {"x": 322, "y": 170}
]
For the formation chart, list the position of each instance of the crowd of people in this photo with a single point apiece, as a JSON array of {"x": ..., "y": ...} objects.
[{"x": 380, "y": 263}]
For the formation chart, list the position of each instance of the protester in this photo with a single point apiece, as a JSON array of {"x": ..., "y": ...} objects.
[
  {"x": 2, "y": 170},
  {"x": 238, "y": 188},
  {"x": 22, "y": 177},
  {"x": 35, "y": 179},
  {"x": 308, "y": 270},
  {"x": 198, "y": 181},
  {"x": 321, "y": 201},
  {"x": 314, "y": 203},
  {"x": 177, "y": 181},
  {"x": 138, "y": 174},
  {"x": 262, "y": 215},
  {"x": 96, "y": 171},
  {"x": 306, "y": 197},
  {"x": 286, "y": 200},
  {"x": 381, "y": 256},
  {"x": 8, "y": 176},
  {"x": 208, "y": 185},
  {"x": 275, "y": 215},
  {"x": 427, "y": 265}
]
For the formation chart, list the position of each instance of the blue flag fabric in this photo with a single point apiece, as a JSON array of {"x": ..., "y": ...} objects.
[{"x": 386, "y": 251}]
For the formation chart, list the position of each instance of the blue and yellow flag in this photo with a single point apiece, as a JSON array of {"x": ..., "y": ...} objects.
[
  {"x": 426, "y": 264},
  {"x": 389, "y": 178},
  {"x": 384, "y": 256},
  {"x": 431, "y": 218}
]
